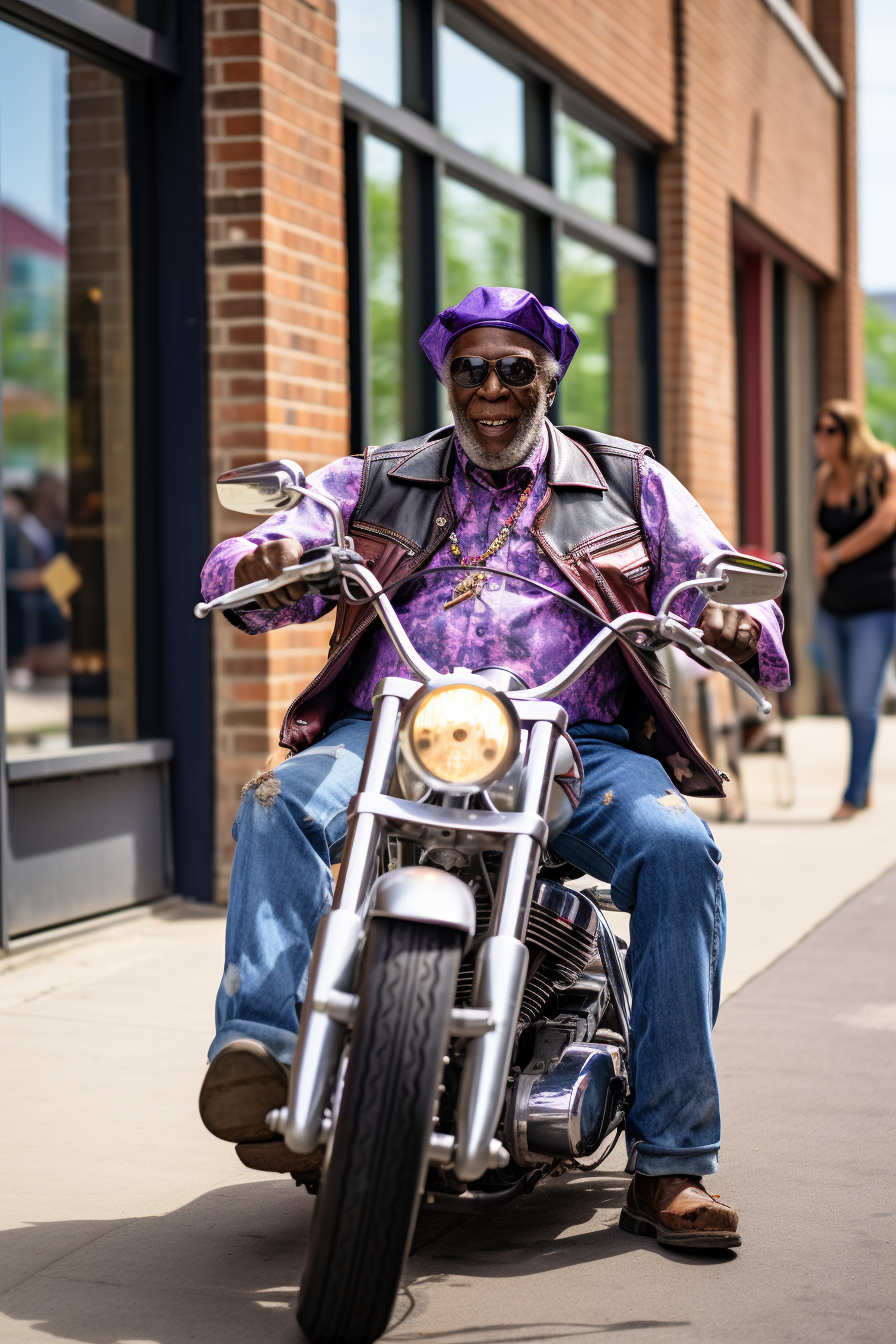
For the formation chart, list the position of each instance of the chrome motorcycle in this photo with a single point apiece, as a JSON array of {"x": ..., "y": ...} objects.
[{"x": 465, "y": 1030}]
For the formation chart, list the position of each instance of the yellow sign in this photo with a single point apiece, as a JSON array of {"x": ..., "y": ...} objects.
[{"x": 62, "y": 579}]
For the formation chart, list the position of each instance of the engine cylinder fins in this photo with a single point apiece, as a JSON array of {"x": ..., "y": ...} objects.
[
  {"x": 563, "y": 927},
  {"x": 561, "y": 937}
]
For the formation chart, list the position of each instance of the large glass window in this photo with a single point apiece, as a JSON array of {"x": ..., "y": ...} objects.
[
  {"x": 483, "y": 241},
  {"x": 587, "y": 292},
  {"x": 370, "y": 46},
  {"x": 382, "y": 178},
  {"x": 482, "y": 103},
  {"x": 65, "y": 379},
  {"x": 585, "y": 167},
  {"x": 570, "y": 218}
]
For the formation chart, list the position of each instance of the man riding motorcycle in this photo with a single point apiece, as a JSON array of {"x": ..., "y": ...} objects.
[{"x": 620, "y": 532}]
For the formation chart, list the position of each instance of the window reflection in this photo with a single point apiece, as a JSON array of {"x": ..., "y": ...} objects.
[
  {"x": 587, "y": 291},
  {"x": 482, "y": 241},
  {"x": 585, "y": 167},
  {"x": 482, "y": 103},
  {"x": 382, "y": 178},
  {"x": 370, "y": 46},
  {"x": 66, "y": 399}
]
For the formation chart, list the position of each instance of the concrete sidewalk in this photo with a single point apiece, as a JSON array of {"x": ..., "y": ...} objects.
[{"x": 126, "y": 1221}]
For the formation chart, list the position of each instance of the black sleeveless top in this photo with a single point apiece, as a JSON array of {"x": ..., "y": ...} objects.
[{"x": 867, "y": 583}]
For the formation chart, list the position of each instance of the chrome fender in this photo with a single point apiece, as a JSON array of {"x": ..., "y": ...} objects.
[{"x": 425, "y": 896}]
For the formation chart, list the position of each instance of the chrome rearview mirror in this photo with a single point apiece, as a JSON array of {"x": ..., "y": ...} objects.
[
  {"x": 736, "y": 580},
  {"x": 274, "y": 487},
  {"x": 262, "y": 487}
]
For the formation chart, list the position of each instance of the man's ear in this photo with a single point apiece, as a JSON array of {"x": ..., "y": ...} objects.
[{"x": 551, "y": 391}]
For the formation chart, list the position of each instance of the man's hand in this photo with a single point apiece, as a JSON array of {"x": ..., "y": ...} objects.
[
  {"x": 730, "y": 631},
  {"x": 266, "y": 562}
]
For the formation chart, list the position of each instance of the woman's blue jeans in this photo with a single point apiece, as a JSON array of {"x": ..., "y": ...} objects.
[
  {"x": 856, "y": 650},
  {"x": 632, "y": 828}
]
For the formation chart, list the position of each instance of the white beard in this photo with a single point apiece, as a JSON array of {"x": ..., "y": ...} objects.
[{"x": 528, "y": 433}]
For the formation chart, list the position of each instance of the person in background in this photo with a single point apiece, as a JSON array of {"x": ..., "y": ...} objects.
[{"x": 855, "y": 564}]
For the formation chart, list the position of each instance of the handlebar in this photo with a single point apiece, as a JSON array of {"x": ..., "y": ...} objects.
[{"x": 329, "y": 566}]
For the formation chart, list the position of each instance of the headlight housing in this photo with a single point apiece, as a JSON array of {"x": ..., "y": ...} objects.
[{"x": 459, "y": 736}]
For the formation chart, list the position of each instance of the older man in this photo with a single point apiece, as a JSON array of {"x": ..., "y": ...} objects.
[{"x": 586, "y": 515}]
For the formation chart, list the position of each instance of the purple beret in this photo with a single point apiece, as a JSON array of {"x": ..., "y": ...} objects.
[{"x": 498, "y": 306}]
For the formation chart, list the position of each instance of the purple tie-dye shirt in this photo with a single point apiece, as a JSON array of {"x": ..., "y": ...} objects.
[{"x": 511, "y": 625}]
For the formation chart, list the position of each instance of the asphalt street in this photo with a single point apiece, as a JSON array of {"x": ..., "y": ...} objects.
[{"x": 807, "y": 1057}]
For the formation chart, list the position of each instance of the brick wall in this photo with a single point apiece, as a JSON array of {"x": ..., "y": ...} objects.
[
  {"x": 759, "y": 129},
  {"x": 277, "y": 319},
  {"x": 620, "y": 54}
]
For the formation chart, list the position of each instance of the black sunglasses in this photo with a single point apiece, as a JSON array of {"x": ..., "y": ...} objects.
[
  {"x": 829, "y": 430},
  {"x": 513, "y": 370}
]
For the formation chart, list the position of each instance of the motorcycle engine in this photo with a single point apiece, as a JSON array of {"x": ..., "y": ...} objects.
[{"x": 561, "y": 939}]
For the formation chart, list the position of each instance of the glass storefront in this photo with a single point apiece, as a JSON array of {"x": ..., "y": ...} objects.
[{"x": 65, "y": 362}]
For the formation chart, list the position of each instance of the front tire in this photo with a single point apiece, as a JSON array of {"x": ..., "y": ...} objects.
[{"x": 367, "y": 1207}]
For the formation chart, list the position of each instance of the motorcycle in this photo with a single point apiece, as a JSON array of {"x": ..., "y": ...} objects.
[{"x": 466, "y": 1028}]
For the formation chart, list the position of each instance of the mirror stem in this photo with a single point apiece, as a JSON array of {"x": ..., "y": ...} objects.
[{"x": 705, "y": 585}]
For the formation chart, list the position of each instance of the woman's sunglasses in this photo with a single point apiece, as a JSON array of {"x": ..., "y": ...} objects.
[
  {"x": 829, "y": 430},
  {"x": 513, "y": 370}
]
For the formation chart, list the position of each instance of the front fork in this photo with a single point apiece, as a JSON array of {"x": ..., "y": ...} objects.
[{"x": 500, "y": 969}]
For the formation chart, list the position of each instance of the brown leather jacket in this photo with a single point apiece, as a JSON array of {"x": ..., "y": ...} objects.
[{"x": 588, "y": 524}]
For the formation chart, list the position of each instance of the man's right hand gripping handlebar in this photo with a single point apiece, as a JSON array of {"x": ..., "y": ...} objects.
[{"x": 268, "y": 561}]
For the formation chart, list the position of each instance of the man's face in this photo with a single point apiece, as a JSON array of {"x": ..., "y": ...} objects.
[{"x": 498, "y": 423}]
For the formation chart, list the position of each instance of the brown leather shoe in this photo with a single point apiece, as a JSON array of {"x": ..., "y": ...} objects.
[
  {"x": 243, "y": 1082},
  {"x": 678, "y": 1212}
]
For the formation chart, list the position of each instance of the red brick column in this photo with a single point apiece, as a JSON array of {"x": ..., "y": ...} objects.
[{"x": 277, "y": 320}]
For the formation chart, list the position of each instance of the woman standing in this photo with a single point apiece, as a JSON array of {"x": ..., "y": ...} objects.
[{"x": 855, "y": 563}]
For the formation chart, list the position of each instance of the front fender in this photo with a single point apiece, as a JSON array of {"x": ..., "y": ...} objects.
[{"x": 425, "y": 896}]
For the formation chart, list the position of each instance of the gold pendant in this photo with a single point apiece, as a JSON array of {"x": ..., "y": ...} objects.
[{"x": 471, "y": 585}]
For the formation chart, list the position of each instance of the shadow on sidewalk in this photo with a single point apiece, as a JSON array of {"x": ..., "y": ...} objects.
[{"x": 225, "y": 1268}]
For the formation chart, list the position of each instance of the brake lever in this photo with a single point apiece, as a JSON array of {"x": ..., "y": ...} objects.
[{"x": 691, "y": 640}]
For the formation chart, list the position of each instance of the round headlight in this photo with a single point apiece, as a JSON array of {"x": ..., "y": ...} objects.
[{"x": 459, "y": 736}]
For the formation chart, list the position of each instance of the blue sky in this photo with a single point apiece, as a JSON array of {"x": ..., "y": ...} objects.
[
  {"x": 32, "y": 127},
  {"x": 877, "y": 144}
]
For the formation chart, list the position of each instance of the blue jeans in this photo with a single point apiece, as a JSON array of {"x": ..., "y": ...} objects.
[
  {"x": 856, "y": 651},
  {"x": 632, "y": 828}
]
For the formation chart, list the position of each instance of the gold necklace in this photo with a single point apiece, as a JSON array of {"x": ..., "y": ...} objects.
[{"x": 471, "y": 585}]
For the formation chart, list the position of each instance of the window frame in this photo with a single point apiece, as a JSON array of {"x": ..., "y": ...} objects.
[{"x": 429, "y": 154}]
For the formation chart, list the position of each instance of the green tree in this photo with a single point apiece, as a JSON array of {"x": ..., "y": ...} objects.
[
  {"x": 880, "y": 371},
  {"x": 33, "y": 363}
]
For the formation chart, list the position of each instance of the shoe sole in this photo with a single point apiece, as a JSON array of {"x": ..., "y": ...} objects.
[
  {"x": 275, "y": 1156},
  {"x": 696, "y": 1241},
  {"x": 238, "y": 1090}
]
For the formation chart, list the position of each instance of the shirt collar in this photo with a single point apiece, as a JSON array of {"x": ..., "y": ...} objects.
[{"x": 518, "y": 476}]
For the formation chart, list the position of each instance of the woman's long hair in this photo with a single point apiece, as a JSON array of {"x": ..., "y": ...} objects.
[{"x": 865, "y": 453}]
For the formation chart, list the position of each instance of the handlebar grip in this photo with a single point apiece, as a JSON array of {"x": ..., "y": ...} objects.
[{"x": 239, "y": 597}]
